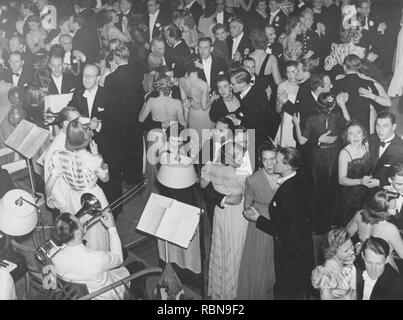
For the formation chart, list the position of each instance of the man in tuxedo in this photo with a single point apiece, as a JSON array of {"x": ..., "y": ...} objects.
[
  {"x": 213, "y": 66},
  {"x": 359, "y": 108},
  {"x": 277, "y": 17},
  {"x": 395, "y": 178},
  {"x": 274, "y": 47},
  {"x": 85, "y": 37},
  {"x": 239, "y": 44},
  {"x": 125, "y": 13},
  {"x": 72, "y": 60},
  {"x": 289, "y": 226},
  {"x": 155, "y": 20},
  {"x": 195, "y": 9},
  {"x": 222, "y": 15},
  {"x": 60, "y": 83},
  {"x": 19, "y": 74},
  {"x": 379, "y": 281},
  {"x": 91, "y": 101},
  {"x": 385, "y": 148},
  {"x": 177, "y": 53},
  {"x": 309, "y": 38},
  {"x": 124, "y": 90}
]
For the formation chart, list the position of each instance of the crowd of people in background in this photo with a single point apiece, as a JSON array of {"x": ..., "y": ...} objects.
[{"x": 308, "y": 79}]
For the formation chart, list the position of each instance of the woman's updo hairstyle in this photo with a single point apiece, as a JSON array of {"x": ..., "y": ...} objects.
[
  {"x": 376, "y": 208},
  {"x": 164, "y": 84},
  {"x": 332, "y": 241}
]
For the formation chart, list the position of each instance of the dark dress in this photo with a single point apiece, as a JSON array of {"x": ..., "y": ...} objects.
[
  {"x": 353, "y": 196},
  {"x": 272, "y": 118},
  {"x": 324, "y": 168}
]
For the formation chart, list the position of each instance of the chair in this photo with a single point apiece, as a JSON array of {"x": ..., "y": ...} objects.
[{"x": 147, "y": 273}]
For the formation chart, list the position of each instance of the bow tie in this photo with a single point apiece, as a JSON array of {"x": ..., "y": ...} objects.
[
  {"x": 16, "y": 74},
  {"x": 384, "y": 143}
]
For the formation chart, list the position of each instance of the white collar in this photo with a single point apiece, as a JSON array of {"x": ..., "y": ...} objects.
[
  {"x": 91, "y": 93},
  {"x": 239, "y": 36},
  {"x": 275, "y": 12},
  {"x": 208, "y": 60},
  {"x": 284, "y": 179},
  {"x": 176, "y": 44},
  {"x": 243, "y": 94},
  {"x": 367, "y": 279},
  {"x": 190, "y": 4},
  {"x": 315, "y": 96},
  {"x": 57, "y": 78},
  {"x": 389, "y": 140}
]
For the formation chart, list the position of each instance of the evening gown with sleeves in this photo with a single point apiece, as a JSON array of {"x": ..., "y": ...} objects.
[
  {"x": 256, "y": 274},
  {"x": 229, "y": 232},
  {"x": 353, "y": 196}
]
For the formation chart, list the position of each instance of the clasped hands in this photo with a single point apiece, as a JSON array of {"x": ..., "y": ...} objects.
[
  {"x": 369, "y": 182},
  {"x": 251, "y": 214}
]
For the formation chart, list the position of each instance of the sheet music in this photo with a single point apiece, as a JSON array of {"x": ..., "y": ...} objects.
[
  {"x": 169, "y": 220},
  {"x": 10, "y": 266}
]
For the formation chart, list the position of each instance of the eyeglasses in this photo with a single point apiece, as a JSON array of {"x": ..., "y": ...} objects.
[{"x": 86, "y": 76}]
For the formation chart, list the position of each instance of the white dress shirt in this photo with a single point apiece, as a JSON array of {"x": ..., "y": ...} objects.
[
  {"x": 207, "y": 69},
  {"x": 273, "y": 15},
  {"x": 235, "y": 44},
  {"x": 58, "y": 82},
  {"x": 220, "y": 17},
  {"x": 7, "y": 288},
  {"x": 368, "y": 286},
  {"x": 388, "y": 142},
  {"x": 95, "y": 268},
  {"x": 90, "y": 99},
  {"x": 153, "y": 19},
  {"x": 16, "y": 78},
  {"x": 243, "y": 94}
]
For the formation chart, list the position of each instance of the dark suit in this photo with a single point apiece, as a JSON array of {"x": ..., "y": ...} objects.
[
  {"x": 26, "y": 76},
  {"x": 393, "y": 154},
  {"x": 69, "y": 83},
  {"x": 106, "y": 139},
  {"x": 310, "y": 42},
  {"x": 357, "y": 106},
  {"x": 86, "y": 40},
  {"x": 397, "y": 219},
  {"x": 256, "y": 21},
  {"x": 218, "y": 66},
  {"x": 279, "y": 22},
  {"x": 162, "y": 20},
  {"x": 125, "y": 97},
  {"x": 244, "y": 46},
  {"x": 219, "y": 109},
  {"x": 177, "y": 58},
  {"x": 289, "y": 226},
  {"x": 389, "y": 285},
  {"x": 196, "y": 10}
]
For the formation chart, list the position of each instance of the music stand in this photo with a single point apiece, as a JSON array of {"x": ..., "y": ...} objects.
[{"x": 27, "y": 139}]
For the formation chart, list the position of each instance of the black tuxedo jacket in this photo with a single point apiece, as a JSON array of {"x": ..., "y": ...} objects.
[
  {"x": 86, "y": 40},
  {"x": 219, "y": 109},
  {"x": 124, "y": 90},
  {"x": 357, "y": 106},
  {"x": 310, "y": 42},
  {"x": 332, "y": 19},
  {"x": 218, "y": 65},
  {"x": 177, "y": 58},
  {"x": 393, "y": 154},
  {"x": 244, "y": 46},
  {"x": 162, "y": 19},
  {"x": 69, "y": 84},
  {"x": 279, "y": 22},
  {"x": 26, "y": 76},
  {"x": 389, "y": 285},
  {"x": 196, "y": 10}
]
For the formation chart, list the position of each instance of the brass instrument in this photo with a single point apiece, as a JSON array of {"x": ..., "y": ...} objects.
[{"x": 92, "y": 206}]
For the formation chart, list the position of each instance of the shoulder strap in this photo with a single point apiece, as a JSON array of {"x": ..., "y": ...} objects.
[
  {"x": 348, "y": 153},
  {"x": 264, "y": 65}
]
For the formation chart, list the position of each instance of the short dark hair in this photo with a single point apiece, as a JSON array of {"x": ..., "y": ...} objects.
[
  {"x": 292, "y": 157},
  {"x": 79, "y": 19},
  {"x": 377, "y": 245},
  {"x": 250, "y": 59},
  {"x": 291, "y": 63},
  {"x": 308, "y": 65},
  {"x": 63, "y": 114},
  {"x": 316, "y": 81},
  {"x": 122, "y": 52},
  {"x": 219, "y": 26},
  {"x": 266, "y": 146},
  {"x": 206, "y": 39},
  {"x": 360, "y": 2},
  {"x": 222, "y": 77},
  {"x": 352, "y": 62},
  {"x": 396, "y": 169},
  {"x": 376, "y": 208},
  {"x": 228, "y": 122},
  {"x": 64, "y": 229},
  {"x": 174, "y": 32},
  {"x": 237, "y": 20},
  {"x": 387, "y": 115}
]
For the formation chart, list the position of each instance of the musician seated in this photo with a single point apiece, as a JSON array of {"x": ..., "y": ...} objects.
[{"x": 95, "y": 268}]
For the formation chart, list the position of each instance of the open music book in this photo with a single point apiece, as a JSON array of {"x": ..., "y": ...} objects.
[
  {"x": 27, "y": 139},
  {"x": 56, "y": 102},
  {"x": 169, "y": 220}
]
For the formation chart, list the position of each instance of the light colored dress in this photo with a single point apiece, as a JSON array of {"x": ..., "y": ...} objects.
[
  {"x": 81, "y": 170},
  {"x": 293, "y": 51},
  {"x": 396, "y": 85},
  {"x": 229, "y": 232},
  {"x": 256, "y": 274},
  {"x": 340, "y": 280}
]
